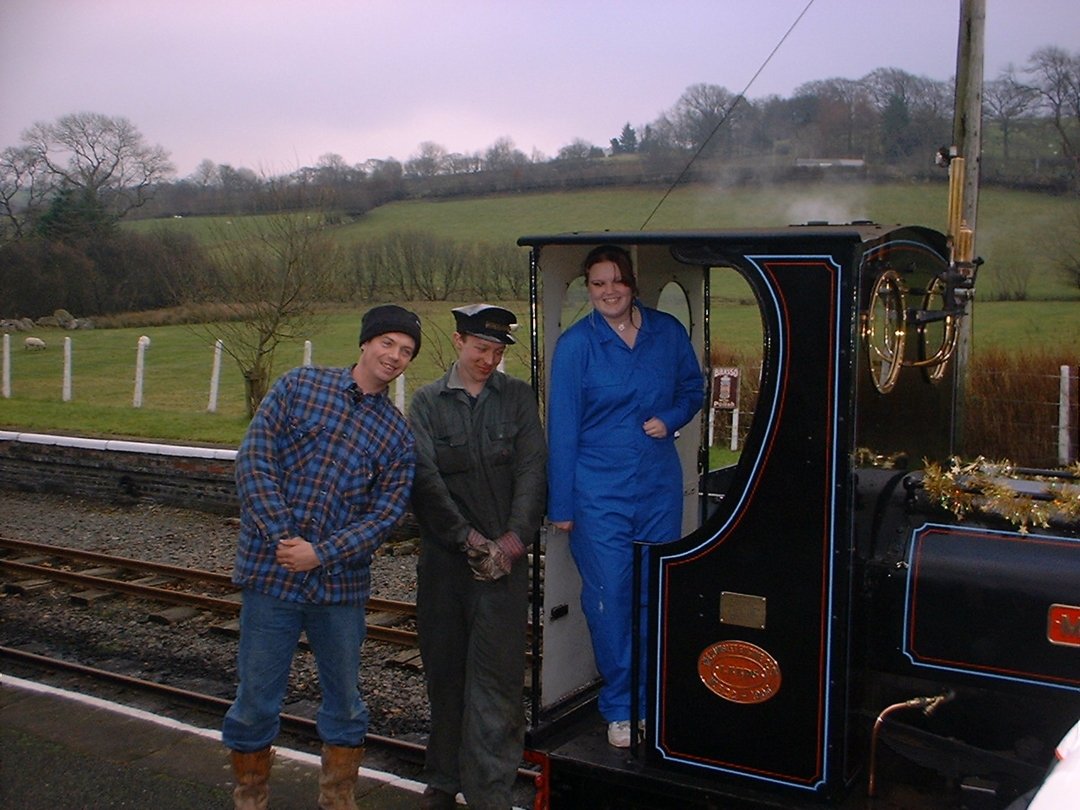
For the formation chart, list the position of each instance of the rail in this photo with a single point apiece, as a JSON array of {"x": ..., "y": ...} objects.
[{"x": 166, "y": 591}]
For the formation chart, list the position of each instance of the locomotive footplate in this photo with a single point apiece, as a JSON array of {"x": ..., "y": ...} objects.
[{"x": 585, "y": 771}]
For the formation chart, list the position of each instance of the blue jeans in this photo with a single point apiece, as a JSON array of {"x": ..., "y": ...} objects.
[{"x": 269, "y": 631}]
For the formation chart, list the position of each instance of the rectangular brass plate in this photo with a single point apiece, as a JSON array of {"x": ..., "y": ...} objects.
[
  {"x": 742, "y": 610},
  {"x": 1063, "y": 625}
]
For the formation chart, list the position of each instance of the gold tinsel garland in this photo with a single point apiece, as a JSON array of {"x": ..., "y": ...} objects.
[{"x": 983, "y": 486}]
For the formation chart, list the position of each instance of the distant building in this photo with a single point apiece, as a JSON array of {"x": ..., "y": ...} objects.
[{"x": 829, "y": 163}]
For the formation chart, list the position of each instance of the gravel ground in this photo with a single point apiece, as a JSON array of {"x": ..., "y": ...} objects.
[{"x": 117, "y": 634}]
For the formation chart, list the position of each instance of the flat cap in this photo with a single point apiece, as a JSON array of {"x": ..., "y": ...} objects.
[{"x": 485, "y": 321}]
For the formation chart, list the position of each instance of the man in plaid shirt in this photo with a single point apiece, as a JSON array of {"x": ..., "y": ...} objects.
[{"x": 324, "y": 472}]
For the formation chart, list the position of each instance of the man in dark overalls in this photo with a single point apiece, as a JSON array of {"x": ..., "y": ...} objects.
[{"x": 479, "y": 499}]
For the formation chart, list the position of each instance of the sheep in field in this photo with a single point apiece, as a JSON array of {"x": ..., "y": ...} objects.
[{"x": 34, "y": 344}]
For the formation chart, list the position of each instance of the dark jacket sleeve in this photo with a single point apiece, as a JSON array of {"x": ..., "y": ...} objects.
[
  {"x": 435, "y": 510},
  {"x": 530, "y": 466}
]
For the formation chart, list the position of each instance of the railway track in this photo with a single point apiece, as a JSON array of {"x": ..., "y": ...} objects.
[
  {"x": 102, "y": 575},
  {"x": 111, "y": 638}
]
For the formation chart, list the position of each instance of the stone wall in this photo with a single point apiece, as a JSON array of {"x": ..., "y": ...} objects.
[
  {"x": 126, "y": 472},
  {"x": 189, "y": 477}
]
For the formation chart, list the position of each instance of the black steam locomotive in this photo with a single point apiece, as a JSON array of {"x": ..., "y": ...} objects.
[{"x": 826, "y": 599}]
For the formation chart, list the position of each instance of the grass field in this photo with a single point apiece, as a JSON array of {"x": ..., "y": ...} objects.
[
  {"x": 178, "y": 365},
  {"x": 1016, "y": 230},
  {"x": 176, "y": 385}
]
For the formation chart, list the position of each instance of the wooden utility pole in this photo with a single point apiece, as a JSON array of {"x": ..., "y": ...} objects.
[
  {"x": 967, "y": 107},
  {"x": 964, "y": 200}
]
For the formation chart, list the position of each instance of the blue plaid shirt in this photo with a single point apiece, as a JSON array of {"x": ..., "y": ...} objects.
[{"x": 323, "y": 462}]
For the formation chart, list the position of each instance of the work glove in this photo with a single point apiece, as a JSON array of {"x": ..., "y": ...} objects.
[
  {"x": 510, "y": 545},
  {"x": 502, "y": 552},
  {"x": 484, "y": 557}
]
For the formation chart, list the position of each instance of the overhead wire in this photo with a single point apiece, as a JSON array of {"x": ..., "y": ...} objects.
[{"x": 727, "y": 114}]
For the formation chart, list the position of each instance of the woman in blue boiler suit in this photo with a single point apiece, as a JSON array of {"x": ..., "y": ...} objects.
[{"x": 623, "y": 380}]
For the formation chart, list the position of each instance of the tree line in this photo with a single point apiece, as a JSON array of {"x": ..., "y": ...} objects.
[
  {"x": 890, "y": 119},
  {"x": 68, "y": 184}
]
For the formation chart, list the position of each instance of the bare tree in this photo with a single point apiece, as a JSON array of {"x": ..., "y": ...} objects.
[
  {"x": 505, "y": 262},
  {"x": 238, "y": 180},
  {"x": 413, "y": 265},
  {"x": 1007, "y": 100},
  {"x": 436, "y": 266},
  {"x": 270, "y": 273},
  {"x": 503, "y": 154},
  {"x": 457, "y": 163},
  {"x": 699, "y": 112},
  {"x": 205, "y": 174},
  {"x": 101, "y": 160},
  {"x": 23, "y": 191},
  {"x": 579, "y": 149},
  {"x": 844, "y": 117},
  {"x": 103, "y": 157},
  {"x": 363, "y": 272},
  {"x": 384, "y": 179},
  {"x": 885, "y": 85},
  {"x": 333, "y": 169},
  {"x": 915, "y": 111},
  {"x": 430, "y": 160},
  {"x": 925, "y": 99},
  {"x": 1056, "y": 75},
  {"x": 1063, "y": 243},
  {"x": 1010, "y": 281}
]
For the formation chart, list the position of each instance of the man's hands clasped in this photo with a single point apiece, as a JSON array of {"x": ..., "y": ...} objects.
[
  {"x": 296, "y": 555},
  {"x": 491, "y": 560}
]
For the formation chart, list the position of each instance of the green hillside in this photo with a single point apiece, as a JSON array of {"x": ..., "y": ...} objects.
[
  {"x": 1017, "y": 236},
  {"x": 1018, "y": 232}
]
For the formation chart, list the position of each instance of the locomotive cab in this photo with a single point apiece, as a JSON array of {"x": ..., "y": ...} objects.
[{"x": 763, "y": 621}]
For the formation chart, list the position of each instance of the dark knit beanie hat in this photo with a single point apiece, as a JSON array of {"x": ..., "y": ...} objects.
[{"x": 390, "y": 318}]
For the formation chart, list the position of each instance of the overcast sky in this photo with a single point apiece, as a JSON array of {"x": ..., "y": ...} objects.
[{"x": 274, "y": 84}]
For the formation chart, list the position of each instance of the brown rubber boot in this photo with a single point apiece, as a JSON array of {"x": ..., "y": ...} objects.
[
  {"x": 252, "y": 773},
  {"x": 435, "y": 799},
  {"x": 337, "y": 782}
]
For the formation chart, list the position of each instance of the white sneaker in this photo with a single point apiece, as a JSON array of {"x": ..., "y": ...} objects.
[{"x": 618, "y": 734}]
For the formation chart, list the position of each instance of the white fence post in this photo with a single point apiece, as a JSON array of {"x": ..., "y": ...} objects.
[
  {"x": 140, "y": 359},
  {"x": 735, "y": 427},
  {"x": 7, "y": 366},
  {"x": 215, "y": 377},
  {"x": 399, "y": 393},
  {"x": 1064, "y": 409},
  {"x": 725, "y": 397},
  {"x": 67, "y": 370},
  {"x": 307, "y": 352}
]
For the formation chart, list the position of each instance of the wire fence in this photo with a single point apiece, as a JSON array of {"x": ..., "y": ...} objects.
[
  {"x": 1030, "y": 418},
  {"x": 1024, "y": 410}
]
